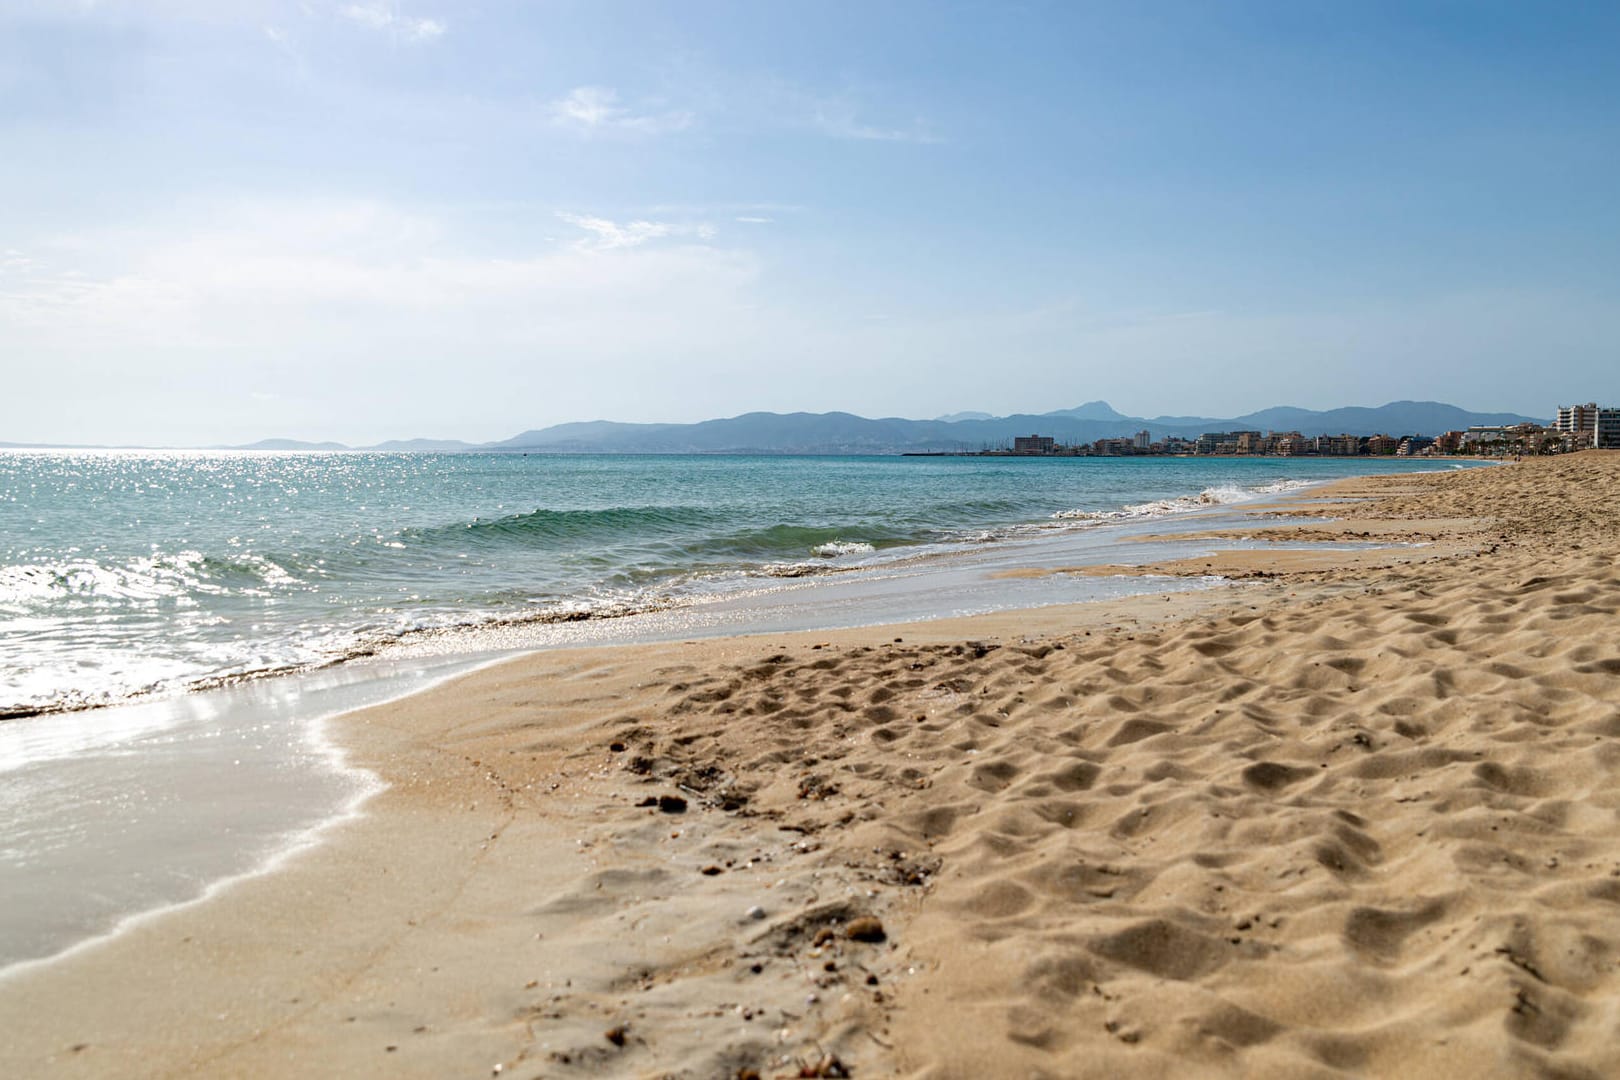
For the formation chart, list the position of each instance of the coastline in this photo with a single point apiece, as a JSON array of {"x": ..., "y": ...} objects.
[
  {"x": 314, "y": 601},
  {"x": 506, "y": 902},
  {"x": 108, "y": 810}
]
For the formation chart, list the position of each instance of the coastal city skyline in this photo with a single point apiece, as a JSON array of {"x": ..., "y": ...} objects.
[{"x": 358, "y": 221}]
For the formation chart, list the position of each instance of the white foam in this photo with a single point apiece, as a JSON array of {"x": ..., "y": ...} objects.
[
  {"x": 834, "y": 548},
  {"x": 1220, "y": 495}
]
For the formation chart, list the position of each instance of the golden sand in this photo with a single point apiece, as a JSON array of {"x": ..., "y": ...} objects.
[{"x": 1349, "y": 818}]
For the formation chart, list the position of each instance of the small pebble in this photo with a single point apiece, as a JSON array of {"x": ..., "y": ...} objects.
[
  {"x": 756, "y": 912},
  {"x": 865, "y": 928}
]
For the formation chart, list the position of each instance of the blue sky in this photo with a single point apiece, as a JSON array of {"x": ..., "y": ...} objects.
[{"x": 374, "y": 219}]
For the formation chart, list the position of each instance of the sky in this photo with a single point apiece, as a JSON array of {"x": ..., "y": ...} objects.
[{"x": 222, "y": 220}]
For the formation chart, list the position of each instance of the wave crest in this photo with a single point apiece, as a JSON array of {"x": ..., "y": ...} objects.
[{"x": 1219, "y": 495}]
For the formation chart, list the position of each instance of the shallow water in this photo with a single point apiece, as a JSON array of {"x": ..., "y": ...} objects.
[{"x": 113, "y": 812}]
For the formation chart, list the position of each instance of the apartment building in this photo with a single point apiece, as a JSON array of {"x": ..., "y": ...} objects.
[
  {"x": 1606, "y": 429},
  {"x": 1338, "y": 445},
  {"x": 1033, "y": 444},
  {"x": 1290, "y": 444},
  {"x": 1577, "y": 420},
  {"x": 1586, "y": 426}
]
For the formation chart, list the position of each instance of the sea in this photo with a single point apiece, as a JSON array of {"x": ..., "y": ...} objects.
[
  {"x": 176, "y": 628},
  {"x": 131, "y": 573}
]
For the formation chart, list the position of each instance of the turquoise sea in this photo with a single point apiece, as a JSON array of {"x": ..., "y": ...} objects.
[{"x": 124, "y": 573}]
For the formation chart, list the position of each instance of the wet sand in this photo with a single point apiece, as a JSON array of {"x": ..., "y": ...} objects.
[{"x": 1347, "y": 817}]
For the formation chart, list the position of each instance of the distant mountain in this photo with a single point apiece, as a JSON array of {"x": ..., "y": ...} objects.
[
  {"x": 1091, "y": 410},
  {"x": 845, "y": 433},
  {"x": 765, "y": 433},
  {"x": 958, "y": 416},
  {"x": 411, "y": 446},
  {"x": 1396, "y": 418},
  {"x": 422, "y": 446},
  {"x": 1179, "y": 423},
  {"x": 287, "y": 444}
]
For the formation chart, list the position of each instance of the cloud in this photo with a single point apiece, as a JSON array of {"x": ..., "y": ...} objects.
[
  {"x": 606, "y": 235},
  {"x": 840, "y": 120},
  {"x": 374, "y": 319},
  {"x": 597, "y": 108},
  {"x": 384, "y": 16},
  {"x": 857, "y": 112},
  {"x": 311, "y": 277},
  {"x": 756, "y": 220}
]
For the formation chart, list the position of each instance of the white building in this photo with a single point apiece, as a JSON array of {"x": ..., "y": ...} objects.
[
  {"x": 1577, "y": 420},
  {"x": 1587, "y": 425}
]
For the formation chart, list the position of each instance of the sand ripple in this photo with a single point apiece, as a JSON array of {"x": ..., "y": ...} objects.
[{"x": 1372, "y": 834}]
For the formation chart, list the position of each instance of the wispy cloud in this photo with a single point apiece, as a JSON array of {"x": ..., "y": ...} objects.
[
  {"x": 296, "y": 273},
  {"x": 756, "y": 220},
  {"x": 842, "y": 120},
  {"x": 386, "y": 17},
  {"x": 607, "y": 235},
  {"x": 597, "y": 108},
  {"x": 367, "y": 295}
]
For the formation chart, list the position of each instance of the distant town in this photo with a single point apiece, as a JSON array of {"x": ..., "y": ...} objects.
[{"x": 1578, "y": 427}]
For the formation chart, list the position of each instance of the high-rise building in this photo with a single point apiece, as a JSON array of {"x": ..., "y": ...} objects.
[
  {"x": 1606, "y": 429},
  {"x": 1577, "y": 420}
]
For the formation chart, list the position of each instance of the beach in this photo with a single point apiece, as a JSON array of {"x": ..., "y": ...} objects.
[{"x": 1353, "y": 814}]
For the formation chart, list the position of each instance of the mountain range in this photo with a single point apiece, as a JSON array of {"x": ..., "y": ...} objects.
[
  {"x": 846, "y": 433},
  {"x": 842, "y": 433}
]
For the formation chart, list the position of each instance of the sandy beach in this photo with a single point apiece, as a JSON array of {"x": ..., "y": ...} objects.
[{"x": 1357, "y": 814}]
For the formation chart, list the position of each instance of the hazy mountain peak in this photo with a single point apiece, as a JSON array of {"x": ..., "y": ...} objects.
[{"x": 1091, "y": 410}]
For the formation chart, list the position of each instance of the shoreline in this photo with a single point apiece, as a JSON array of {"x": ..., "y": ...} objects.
[
  {"x": 38, "y": 918},
  {"x": 182, "y": 737},
  {"x": 509, "y": 844},
  {"x": 465, "y": 631}
]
